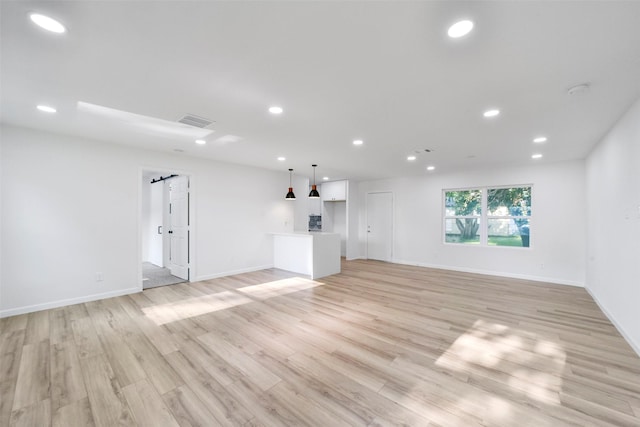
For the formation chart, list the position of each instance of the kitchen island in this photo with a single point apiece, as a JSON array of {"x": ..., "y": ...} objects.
[{"x": 314, "y": 254}]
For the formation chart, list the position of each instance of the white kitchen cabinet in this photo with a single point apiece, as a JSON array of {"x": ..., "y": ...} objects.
[{"x": 334, "y": 191}]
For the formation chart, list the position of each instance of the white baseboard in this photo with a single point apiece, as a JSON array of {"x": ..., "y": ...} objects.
[
  {"x": 634, "y": 345},
  {"x": 65, "y": 302},
  {"x": 493, "y": 273},
  {"x": 94, "y": 297},
  {"x": 232, "y": 272}
]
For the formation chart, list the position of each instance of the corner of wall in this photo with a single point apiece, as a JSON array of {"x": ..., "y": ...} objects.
[{"x": 628, "y": 337}]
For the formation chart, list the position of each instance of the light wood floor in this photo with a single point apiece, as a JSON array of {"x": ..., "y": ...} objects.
[{"x": 377, "y": 345}]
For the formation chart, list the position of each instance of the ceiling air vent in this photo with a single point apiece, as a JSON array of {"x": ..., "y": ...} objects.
[{"x": 193, "y": 120}]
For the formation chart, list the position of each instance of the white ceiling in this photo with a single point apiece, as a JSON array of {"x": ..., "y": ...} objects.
[{"x": 384, "y": 72}]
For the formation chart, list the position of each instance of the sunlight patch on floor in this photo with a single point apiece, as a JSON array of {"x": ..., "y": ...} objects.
[
  {"x": 534, "y": 366},
  {"x": 279, "y": 287},
  {"x": 170, "y": 312}
]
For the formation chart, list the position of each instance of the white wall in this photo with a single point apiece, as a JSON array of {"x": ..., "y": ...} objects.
[
  {"x": 340, "y": 224},
  {"x": 334, "y": 220},
  {"x": 558, "y": 226},
  {"x": 353, "y": 238},
  {"x": 71, "y": 208},
  {"x": 301, "y": 204},
  {"x": 613, "y": 225}
]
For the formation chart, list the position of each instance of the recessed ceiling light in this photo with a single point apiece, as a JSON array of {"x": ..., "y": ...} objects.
[
  {"x": 275, "y": 110},
  {"x": 358, "y": 142},
  {"x": 47, "y": 23},
  {"x": 540, "y": 139},
  {"x": 411, "y": 158},
  {"x": 325, "y": 178},
  {"x": 460, "y": 28},
  {"x": 46, "y": 109},
  {"x": 282, "y": 159},
  {"x": 430, "y": 168},
  {"x": 536, "y": 156},
  {"x": 200, "y": 141},
  {"x": 491, "y": 113}
]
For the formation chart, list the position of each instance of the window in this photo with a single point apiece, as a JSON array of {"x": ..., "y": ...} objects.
[
  {"x": 462, "y": 216},
  {"x": 494, "y": 216}
]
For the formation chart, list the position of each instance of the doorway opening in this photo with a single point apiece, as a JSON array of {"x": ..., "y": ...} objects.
[{"x": 165, "y": 224}]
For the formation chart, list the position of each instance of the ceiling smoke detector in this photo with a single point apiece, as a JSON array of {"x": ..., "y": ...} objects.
[{"x": 580, "y": 89}]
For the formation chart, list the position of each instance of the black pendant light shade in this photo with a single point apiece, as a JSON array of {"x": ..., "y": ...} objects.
[
  {"x": 290, "y": 195},
  {"x": 314, "y": 191}
]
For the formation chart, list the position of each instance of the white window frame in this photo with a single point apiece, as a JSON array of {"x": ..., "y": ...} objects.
[
  {"x": 484, "y": 216},
  {"x": 445, "y": 217}
]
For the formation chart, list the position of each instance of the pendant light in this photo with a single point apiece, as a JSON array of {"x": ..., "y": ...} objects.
[
  {"x": 314, "y": 192},
  {"x": 290, "y": 195}
]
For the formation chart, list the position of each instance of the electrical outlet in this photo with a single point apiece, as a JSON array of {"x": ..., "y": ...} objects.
[
  {"x": 541, "y": 266},
  {"x": 99, "y": 277}
]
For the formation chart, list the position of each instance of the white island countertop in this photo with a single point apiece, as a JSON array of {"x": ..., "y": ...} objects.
[{"x": 315, "y": 253}]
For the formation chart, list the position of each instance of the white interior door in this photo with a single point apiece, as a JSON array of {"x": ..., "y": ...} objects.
[
  {"x": 179, "y": 226},
  {"x": 379, "y": 226}
]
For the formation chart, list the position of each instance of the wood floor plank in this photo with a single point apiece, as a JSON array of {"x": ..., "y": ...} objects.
[
  {"x": 313, "y": 389},
  {"x": 13, "y": 323},
  {"x": 108, "y": 405},
  {"x": 86, "y": 338},
  {"x": 157, "y": 370},
  {"x": 37, "y": 328},
  {"x": 33, "y": 381},
  {"x": 305, "y": 410},
  {"x": 207, "y": 360},
  {"x": 11, "y": 344},
  {"x": 240, "y": 360},
  {"x": 67, "y": 383},
  {"x": 76, "y": 311},
  {"x": 158, "y": 336},
  {"x": 266, "y": 410},
  {"x": 377, "y": 345},
  {"x": 7, "y": 393},
  {"x": 125, "y": 365},
  {"x": 147, "y": 407},
  {"x": 187, "y": 408},
  {"x": 270, "y": 339},
  {"x": 38, "y": 414},
  {"x": 232, "y": 336},
  {"x": 226, "y": 409},
  {"x": 59, "y": 326},
  {"x": 76, "y": 414},
  {"x": 366, "y": 403}
]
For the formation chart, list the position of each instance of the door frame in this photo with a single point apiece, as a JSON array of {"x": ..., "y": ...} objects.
[
  {"x": 192, "y": 223},
  {"x": 393, "y": 221}
]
